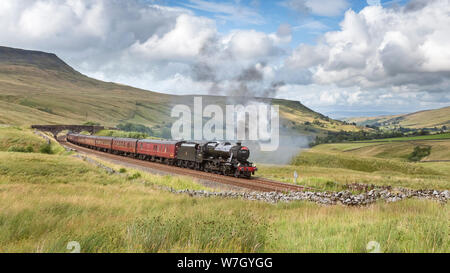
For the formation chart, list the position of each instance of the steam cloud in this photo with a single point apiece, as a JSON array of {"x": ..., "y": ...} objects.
[
  {"x": 291, "y": 144},
  {"x": 249, "y": 82}
]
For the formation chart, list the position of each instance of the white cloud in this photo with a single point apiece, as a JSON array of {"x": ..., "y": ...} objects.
[
  {"x": 395, "y": 59},
  {"x": 82, "y": 25},
  {"x": 184, "y": 42},
  {"x": 379, "y": 48},
  {"x": 250, "y": 44},
  {"x": 331, "y": 98}
]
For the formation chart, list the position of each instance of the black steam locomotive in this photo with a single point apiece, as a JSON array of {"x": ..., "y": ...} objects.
[{"x": 216, "y": 157}]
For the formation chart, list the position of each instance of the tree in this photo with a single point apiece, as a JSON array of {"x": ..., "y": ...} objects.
[
  {"x": 419, "y": 153},
  {"x": 131, "y": 127}
]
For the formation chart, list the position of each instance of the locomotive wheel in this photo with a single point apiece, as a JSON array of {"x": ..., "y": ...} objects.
[{"x": 224, "y": 170}]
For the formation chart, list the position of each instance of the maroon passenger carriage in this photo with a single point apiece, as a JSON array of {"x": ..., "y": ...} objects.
[
  {"x": 158, "y": 150},
  {"x": 104, "y": 143},
  {"x": 147, "y": 149},
  {"x": 124, "y": 146}
]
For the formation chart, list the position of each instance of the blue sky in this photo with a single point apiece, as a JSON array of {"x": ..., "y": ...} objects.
[
  {"x": 338, "y": 57},
  {"x": 266, "y": 16}
]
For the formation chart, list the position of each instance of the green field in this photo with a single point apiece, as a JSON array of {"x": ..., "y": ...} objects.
[
  {"x": 331, "y": 166},
  {"x": 14, "y": 138},
  {"x": 47, "y": 201},
  {"x": 422, "y": 119},
  {"x": 426, "y": 137}
]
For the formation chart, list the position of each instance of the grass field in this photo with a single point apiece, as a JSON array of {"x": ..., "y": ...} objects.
[
  {"x": 398, "y": 150},
  {"x": 423, "y": 119},
  {"x": 15, "y": 138},
  {"x": 331, "y": 166},
  {"x": 47, "y": 201},
  {"x": 427, "y": 137}
]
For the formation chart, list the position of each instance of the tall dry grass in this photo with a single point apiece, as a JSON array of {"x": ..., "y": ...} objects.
[{"x": 47, "y": 201}]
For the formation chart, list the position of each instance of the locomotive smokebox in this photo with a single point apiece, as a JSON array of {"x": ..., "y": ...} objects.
[{"x": 241, "y": 153}]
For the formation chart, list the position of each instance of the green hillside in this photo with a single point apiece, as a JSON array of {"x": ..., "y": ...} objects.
[
  {"x": 332, "y": 166},
  {"x": 423, "y": 119},
  {"x": 38, "y": 88}
]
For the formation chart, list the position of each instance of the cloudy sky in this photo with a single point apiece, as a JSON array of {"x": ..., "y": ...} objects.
[{"x": 340, "y": 57}]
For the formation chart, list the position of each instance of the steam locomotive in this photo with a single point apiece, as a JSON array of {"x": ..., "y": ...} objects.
[
  {"x": 218, "y": 157},
  {"x": 214, "y": 157}
]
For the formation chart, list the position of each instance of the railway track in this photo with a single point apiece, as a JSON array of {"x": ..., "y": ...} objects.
[{"x": 255, "y": 183}]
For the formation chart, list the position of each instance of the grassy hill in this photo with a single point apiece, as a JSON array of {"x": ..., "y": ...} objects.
[
  {"x": 331, "y": 166},
  {"x": 423, "y": 119},
  {"x": 39, "y": 88}
]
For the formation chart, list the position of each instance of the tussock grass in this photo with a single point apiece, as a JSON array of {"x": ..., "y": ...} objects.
[
  {"x": 330, "y": 166},
  {"x": 440, "y": 149},
  {"x": 359, "y": 163},
  {"x": 333, "y": 179},
  {"x": 408, "y": 226},
  {"x": 171, "y": 181},
  {"x": 23, "y": 140},
  {"x": 18, "y": 138},
  {"x": 47, "y": 201}
]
